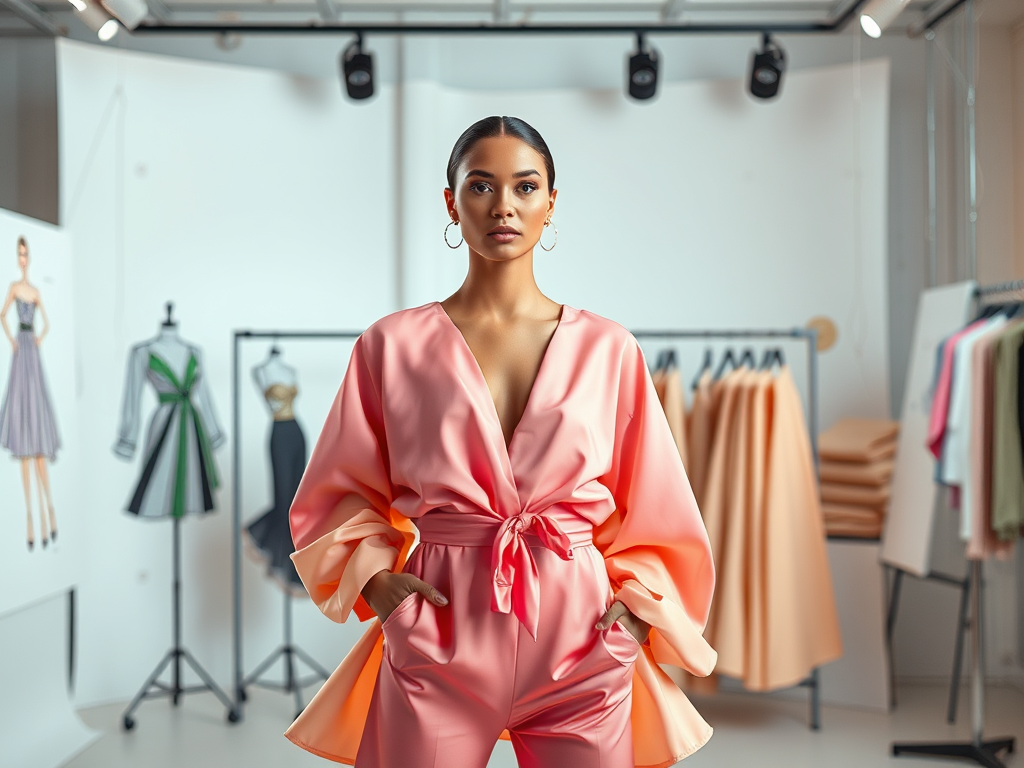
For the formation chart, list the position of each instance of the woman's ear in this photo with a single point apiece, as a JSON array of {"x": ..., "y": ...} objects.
[
  {"x": 551, "y": 202},
  {"x": 449, "y": 201}
]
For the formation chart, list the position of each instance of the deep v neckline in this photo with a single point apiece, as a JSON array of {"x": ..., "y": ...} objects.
[{"x": 482, "y": 379}]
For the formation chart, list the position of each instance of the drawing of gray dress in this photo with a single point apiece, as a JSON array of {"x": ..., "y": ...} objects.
[
  {"x": 27, "y": 424},
  {"x": 178, "y": 474}
]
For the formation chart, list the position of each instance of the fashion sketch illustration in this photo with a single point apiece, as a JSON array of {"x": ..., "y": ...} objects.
[
  {"x": 28, "y": 428},
  {"x": 178, "y": 475}
]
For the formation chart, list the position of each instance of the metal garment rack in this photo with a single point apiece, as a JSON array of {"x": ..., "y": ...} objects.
[
  {"x": 287, "y": 650},
  {"x": 982, "y": 751},
  {"x": 813, "y": 681},
  {"x": 810, "y": 336}
]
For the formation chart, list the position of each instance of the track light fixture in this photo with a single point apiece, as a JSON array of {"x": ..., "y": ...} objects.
[
  {"x": 96, "y": 18},
  {"x": 357, "y": 70},
  {"x": 879, "y": 14},
  {"x": 643, "y": 71},
  {"x": 766, "y": 69},
  {"x": 129, "y": 12}
]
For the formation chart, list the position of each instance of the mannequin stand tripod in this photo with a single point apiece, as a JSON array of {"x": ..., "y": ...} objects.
[{"x": 153, "y": 687}]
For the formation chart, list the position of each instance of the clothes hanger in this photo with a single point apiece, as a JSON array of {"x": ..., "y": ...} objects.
[
  {"x": 670, "y": 359},
  {"x": 729, "y": 359},
  {"x": 704, "y": 366},
  {"x": 771, "y": 357},
  {"x": 747, "y": 359}
]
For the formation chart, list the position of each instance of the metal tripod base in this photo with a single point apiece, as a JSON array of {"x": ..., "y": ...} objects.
[
  {"x": 153, "y": 688},
  {"x": 986, "y": 753},
  {"x": 292, "y": 684},
  {"x": 290, "y": 653}
]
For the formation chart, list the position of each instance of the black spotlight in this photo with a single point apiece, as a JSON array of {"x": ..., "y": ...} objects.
[
  {"x": 643, "y": 71},
  {"x": 766, "y": 69},
  {"x": 357, "y": 69}
]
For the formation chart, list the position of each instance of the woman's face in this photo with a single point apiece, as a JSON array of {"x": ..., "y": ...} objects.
[
  {"x": 501, "y": 198},
  {"x": 22, "y": 256}
]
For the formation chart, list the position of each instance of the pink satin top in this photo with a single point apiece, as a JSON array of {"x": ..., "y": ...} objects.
[{"x": 414, "y": 430}]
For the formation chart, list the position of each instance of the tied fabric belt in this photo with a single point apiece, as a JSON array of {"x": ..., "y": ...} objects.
[
  {"x": 24, "y": 326},
  {"x": 515, "y": 580},
  {"x": 182, "y": 398}
]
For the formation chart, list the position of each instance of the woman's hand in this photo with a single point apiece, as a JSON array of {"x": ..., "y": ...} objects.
[
  {"x": 39, "y": 341},
  {"x": 385, "y": 590},
  {"x": 637, "y": 627}
]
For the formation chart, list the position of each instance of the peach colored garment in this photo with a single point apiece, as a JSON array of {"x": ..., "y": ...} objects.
[
  {"x": 728, "y": 630},
  {"x": 875, "y": 473},
  {"x": 802, "y": 621},
  {"x": 873, "y": 497},
  {"x": 774, "y": 618},
  {"x": 859, "y": 440},
  {"x": 977, "y": 486},
  {"x": 414, "y": 431},
  {"x": 669, "y": 386},
  {"x": 700, "y": 435}
]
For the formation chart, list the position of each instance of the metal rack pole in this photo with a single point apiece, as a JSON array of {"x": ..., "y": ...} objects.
[{"x": 293, "y": 683}]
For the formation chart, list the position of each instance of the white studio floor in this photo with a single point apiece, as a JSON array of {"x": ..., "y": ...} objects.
[{"x": 749, "y": 730}]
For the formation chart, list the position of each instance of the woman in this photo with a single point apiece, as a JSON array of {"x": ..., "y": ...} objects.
[
  {"x": 561, "y": 553},
  {"x": 27, "y": 425}
]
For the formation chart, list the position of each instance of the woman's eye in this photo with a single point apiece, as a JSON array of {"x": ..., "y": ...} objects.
[
  {"x": 528, "y": 187},
  {"x": 479, "y": 187}
]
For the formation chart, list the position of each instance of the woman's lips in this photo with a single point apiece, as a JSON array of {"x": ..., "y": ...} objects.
[{"x": 503, "y": 237}]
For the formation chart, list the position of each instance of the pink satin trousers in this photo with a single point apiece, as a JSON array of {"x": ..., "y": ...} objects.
[{"x": 454, "y": 677}]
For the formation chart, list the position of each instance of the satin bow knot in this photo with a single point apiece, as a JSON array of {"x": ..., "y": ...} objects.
[{"x": 516, "y": 580}]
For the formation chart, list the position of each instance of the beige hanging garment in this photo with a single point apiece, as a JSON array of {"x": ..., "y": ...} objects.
[
  {"x": 700, "y": 436},
  {"x": 760, "y": 415},
  {"x": 669, "y": 386},
  {"x": 727, "y": 628},
  {"x": 800, "y": 613}
]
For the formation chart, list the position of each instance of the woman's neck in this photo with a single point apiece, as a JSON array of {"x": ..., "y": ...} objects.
[{"x": 500, "y": 288}]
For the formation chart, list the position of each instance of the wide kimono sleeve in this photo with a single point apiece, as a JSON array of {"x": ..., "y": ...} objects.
[
  {"x": 655, "y": 546},
  {"x": 342, "y": 524}
]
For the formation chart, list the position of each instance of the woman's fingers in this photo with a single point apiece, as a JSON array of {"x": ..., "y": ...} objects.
[
  {"x": 429, "y": 592},
  {"x": 616, "y": 610}
]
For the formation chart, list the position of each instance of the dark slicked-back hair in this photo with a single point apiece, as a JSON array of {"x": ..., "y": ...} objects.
[{"x": 490, "y": 127}]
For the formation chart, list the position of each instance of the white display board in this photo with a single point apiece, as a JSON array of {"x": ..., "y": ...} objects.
[
  {"x": 906, "y": 541},
  {"x": 28, "y": 576}
]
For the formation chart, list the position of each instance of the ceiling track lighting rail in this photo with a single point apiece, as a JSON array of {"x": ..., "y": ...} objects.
[
  {"x": 30, "y": 13},
  {"x": 935, "y": 15},
  {"x": 322, "y": 28}
]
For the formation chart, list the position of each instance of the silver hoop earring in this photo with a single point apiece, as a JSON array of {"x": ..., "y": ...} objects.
[
  {"x": 546, "y": 223},
  {"x": 453, "y": 247}
]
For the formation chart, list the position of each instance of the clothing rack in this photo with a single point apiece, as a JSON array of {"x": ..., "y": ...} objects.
[
  {"x": 809, "y": 335},
  {"x": 980, "y": 750},
  {"x": 287, "y": 650}
]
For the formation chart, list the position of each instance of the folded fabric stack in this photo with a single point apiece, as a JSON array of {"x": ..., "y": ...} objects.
[{"x": 856, "y": 471}]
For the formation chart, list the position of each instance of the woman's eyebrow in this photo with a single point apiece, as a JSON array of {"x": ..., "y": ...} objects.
[{"x": 489, "y": 175}]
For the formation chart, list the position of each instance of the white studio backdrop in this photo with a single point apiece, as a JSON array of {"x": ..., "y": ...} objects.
[
  {"x": 26, "y": 576},
  {"x": 253, "y": 200},
  {"x": 260, "y": 200},
  {"x": 39, "y": 728},
  {"x": 701, "y": 209}
]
